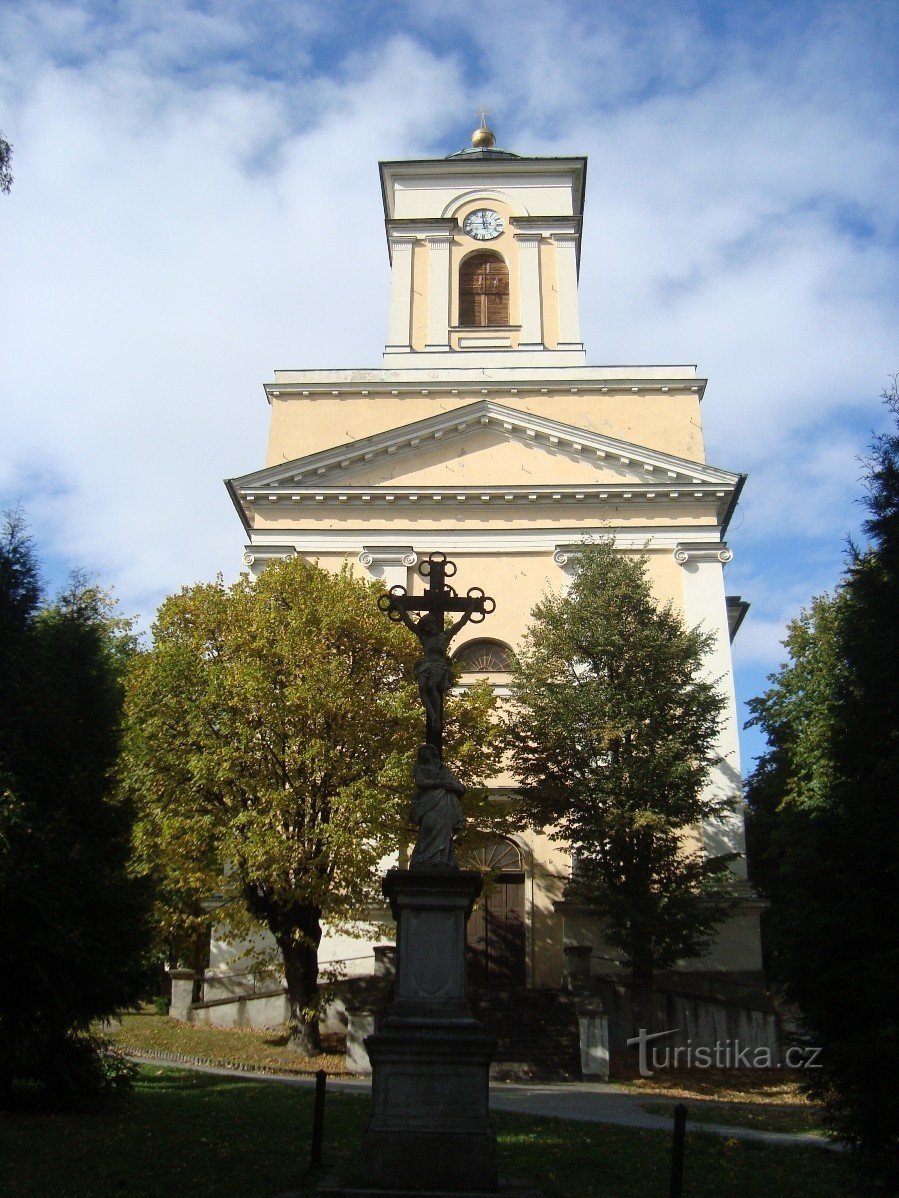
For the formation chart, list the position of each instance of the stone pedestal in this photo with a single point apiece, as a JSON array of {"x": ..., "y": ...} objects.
[
  {"x": 430, "y": 1128},
  {"x": 182, "y": 993}
]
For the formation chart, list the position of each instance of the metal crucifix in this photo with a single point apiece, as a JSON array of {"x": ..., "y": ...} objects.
[{"x": 434, "y": 671}]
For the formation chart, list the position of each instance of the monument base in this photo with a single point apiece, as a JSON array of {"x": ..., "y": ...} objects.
[
  {"x": 331, "y": 1188},
  {"x": 430, "y": 1126}
]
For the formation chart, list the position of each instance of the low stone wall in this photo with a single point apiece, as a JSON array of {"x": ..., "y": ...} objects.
[
  {"x": 693, "y": 1021},
  {"x": 238, "y": 1000},
  {"x": 263, "y": 1011}
]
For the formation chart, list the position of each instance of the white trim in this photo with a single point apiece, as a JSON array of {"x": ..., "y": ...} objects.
[
  {"x": 438, "y": 292},
  {"x": 529, "y": 296},
  {"x": 591, "y": 497},
  {"x": 705, "y": 606},
  {"x": 566, "y": 272},
  {"x": 508, "y": 375},
  {"x": 486, "y": 359},
  {"x": 543, "y": 541},
  {"x": 388, "y": 564},
  {"x": 399, "y": 326},
  {"x": 548, "y": 226},
  {"x": 470, "y": 342},
  {"x": 485, "y": 193}
]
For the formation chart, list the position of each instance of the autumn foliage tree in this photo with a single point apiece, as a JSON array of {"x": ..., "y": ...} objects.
[{"x": 270, "y": 734}]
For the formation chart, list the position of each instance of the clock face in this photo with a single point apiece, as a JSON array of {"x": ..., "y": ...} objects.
[{"x": 483, "y": 224}]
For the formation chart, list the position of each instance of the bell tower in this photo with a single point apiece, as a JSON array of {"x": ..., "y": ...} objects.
[
  {"x": 484, "y": 250},
  {"x": 484, "y": 435}
]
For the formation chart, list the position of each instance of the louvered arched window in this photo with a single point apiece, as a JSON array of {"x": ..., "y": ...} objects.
[
  {"x": 484, "y": 656},
  {"x": 483, "y": 291}
]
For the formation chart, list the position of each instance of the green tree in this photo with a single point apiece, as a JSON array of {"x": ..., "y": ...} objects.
[
  {"x": 73, "y": 916},
  {"x": 823, "y": 800},
  {"x": 612, "y": 732},
  {"x": 795, "y": 775},
  {"x": 271, "y": 731}
]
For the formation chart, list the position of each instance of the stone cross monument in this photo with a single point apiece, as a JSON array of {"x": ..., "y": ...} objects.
[
  {"x": 434, "y": 671},
  {"x": 430, "y": 1128}
]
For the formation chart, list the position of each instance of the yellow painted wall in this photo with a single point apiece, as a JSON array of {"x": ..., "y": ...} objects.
[{"x": 670, "y": 422}]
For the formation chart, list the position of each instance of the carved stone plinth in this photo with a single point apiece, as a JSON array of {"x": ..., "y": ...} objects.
[{"x": 430, "y": 1127}]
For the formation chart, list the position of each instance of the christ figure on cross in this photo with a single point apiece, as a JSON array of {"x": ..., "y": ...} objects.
[{"x": 435, "y": 672}]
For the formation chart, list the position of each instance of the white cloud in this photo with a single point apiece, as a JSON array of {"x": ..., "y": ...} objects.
[
  {"x": 180, "y": 171},
  {"x": 169, "y": 247}
]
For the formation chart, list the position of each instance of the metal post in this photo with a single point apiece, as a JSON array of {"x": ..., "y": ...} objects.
[
  {"x": 677, "y": 1151},
  {"x": 318, "y": 1120}
]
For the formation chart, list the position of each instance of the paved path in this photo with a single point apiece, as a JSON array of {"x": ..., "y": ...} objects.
[{"x": 589, "y": 1102}]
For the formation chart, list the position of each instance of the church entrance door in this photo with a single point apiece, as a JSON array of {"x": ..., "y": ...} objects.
[{"x": 496, "y": 929}]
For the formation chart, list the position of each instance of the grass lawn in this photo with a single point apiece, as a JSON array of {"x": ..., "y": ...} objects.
[
  {"x": 145, "y": 1031},
  {"x": 767, "y": 1100},
  {"x": 182, "y": 1132},
  {"x": 774, "y": 1086},
  {"x": 762, "y": 1116}
]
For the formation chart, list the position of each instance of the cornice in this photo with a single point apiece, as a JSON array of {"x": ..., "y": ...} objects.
[
  {"x": 422, "y": 225},
  {"x": 367, "y": 383},
  {"x": 494, "y": 496},
  {"x": 551, "y": 226},
  {"x": 467, "y": 170}
]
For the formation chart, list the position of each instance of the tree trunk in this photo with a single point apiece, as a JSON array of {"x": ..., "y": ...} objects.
[
  {"x": 298, "y": 942},
  {"x": 297, "y": 930},
  {"x": 642, "y": 977},
  {"x": 301, "y": 976}
]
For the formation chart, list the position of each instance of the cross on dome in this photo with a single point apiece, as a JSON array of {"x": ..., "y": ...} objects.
[{"x": 483, "y": 137}]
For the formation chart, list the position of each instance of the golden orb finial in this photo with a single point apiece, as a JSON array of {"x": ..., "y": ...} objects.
[{"x": 482, "y": 138}]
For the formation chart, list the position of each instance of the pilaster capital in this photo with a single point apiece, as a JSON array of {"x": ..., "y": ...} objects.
[
  {"x": 387, "y": 555},
  {"x": 703, "y": 551},
  {"x": 567, "y": 555}
]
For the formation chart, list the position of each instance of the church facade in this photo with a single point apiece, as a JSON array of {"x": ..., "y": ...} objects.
[{"x": 484, "y": 435}]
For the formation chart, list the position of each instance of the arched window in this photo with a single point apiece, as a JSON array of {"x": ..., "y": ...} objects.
[
  {"x": 483, "y": 291},
  {"x": 484, "y": 657},
  {"x": 496, "y": 856}
]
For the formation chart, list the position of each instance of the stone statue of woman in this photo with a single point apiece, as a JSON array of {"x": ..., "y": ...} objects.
[{"x": 437, "y": 810}]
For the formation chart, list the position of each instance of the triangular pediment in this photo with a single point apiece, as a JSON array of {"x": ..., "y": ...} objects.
[{"x": 485, "y": 444}]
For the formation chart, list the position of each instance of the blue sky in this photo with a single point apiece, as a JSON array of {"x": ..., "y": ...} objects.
[{"x": 162, "y": 248}]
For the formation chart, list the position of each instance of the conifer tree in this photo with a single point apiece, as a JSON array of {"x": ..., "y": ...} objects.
[
  {"x": 826, "y": 828},
  {"x": 73, "y": 917},
  {"x": 612, "y": 732}
]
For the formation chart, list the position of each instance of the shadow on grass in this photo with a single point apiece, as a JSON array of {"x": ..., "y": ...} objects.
[{"x": 182, "y": 1131}]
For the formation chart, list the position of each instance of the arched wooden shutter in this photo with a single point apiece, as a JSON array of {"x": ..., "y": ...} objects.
[{"x": 484, "y": 291}]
